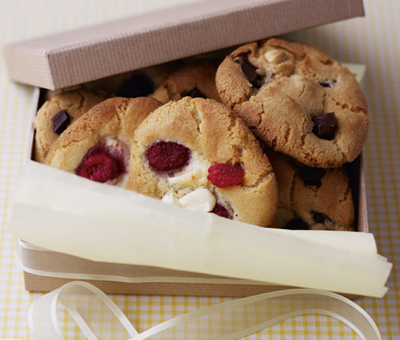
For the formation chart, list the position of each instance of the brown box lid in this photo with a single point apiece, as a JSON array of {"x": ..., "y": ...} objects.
[{"x": 96, "y": 52}]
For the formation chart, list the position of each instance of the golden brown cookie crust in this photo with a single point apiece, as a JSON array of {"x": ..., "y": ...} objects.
[
  {"x": 114, "y": 117},
  {"x": 328, "y": 205},
  {"x": 75, "y": 103},
  {"x": 211, "y": 130},
  {"x": 299, "y": 83},
  {"x": 198, "y": 76}
]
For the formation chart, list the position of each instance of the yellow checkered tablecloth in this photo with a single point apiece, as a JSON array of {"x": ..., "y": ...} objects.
[{"x": 373, "y": 41}]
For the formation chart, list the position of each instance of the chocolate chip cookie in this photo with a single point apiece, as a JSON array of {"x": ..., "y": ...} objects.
[
  {"x": 97, "y": 145},
  {"x": 195, "y": 153},
  {"x": 311, "y": 198},
  {"x": 296, "y": 99},
  {"x": 143, "y": 82},
  {"x": 56, "y": 114},
  {"x": 195, "y": 79}
]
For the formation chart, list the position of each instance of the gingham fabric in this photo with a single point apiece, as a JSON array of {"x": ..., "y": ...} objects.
[{"x": 373, "y": 41}]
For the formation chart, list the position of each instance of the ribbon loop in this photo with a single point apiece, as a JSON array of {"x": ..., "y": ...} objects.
[
  {"x": 86, "y": 304},
  {"x": 226, "y": 321}
]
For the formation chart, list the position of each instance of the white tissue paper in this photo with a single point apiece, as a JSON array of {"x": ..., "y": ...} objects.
[{"x": 69, "y": 214}]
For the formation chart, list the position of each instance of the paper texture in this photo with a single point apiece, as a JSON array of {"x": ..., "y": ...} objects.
[{"x": 62, "y": 212}]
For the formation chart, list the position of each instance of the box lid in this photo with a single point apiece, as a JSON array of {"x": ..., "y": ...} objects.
[{"x": 96, "y": 52}]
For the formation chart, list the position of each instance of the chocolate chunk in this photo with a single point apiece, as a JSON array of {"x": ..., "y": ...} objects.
[
  {"x": 296, "y": 224},
  {"x": 250, "y": 71},
  {"x": 319, "y": 217},
  {"x": 328, "y": 83},
  {"x": 311, "y": 176},
  {"x": 325, "y": 126},
  {"x": 139, "y": 85},
  {"x": 60, "y": 121},
  {"x": 194, "y": 93}
]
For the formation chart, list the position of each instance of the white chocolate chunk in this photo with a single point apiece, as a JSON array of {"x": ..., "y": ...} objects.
[
  {"x": 194, "y": 175},
  {"x": 170, "y": 199},
  {"x": 275, "y": 56},
  {"x": 200, "y": 199}
]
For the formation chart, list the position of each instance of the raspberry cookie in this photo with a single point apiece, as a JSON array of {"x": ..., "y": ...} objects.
[
  {"x": 195, "y": 153},
  {"x": 97, "y": 145},
  {"x": 195, "y": 79},
  {"x": 297, "y": 100},
  {"x": 58, "y": 113},
  {"x": 311, "y": 198}
]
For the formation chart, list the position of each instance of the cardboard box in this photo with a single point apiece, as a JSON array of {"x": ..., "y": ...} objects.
[
  {"x": 46, "y": 270},
  {"x": 61, "y": 61}
]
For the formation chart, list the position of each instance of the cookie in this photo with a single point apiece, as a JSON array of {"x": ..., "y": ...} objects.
[
  {"x": 137, "y": 83},
  {"x": 97, "y": 145},
  {"x": 142, "y": 83},
  {"x": 195, "y": 79},
  {"x": 311, "y": 198},
  {"x": 297, "y": 100},
  {"x": 195, "y": 153},
  {"x": 56, "y": 114}
]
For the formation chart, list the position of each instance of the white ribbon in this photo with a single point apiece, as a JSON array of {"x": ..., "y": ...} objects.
[{"x": 226, "y": 321}]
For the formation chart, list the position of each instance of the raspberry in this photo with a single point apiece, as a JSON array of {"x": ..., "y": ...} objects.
[
  {"x": 220, "y": 210},
  {"x": 167, "y": 156},
  {"x": 100, "y": 166},
  {"x": 224, "y": 175}
]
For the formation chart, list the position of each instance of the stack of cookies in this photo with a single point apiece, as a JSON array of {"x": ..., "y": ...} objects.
[{"x": 262, "y": 136}]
